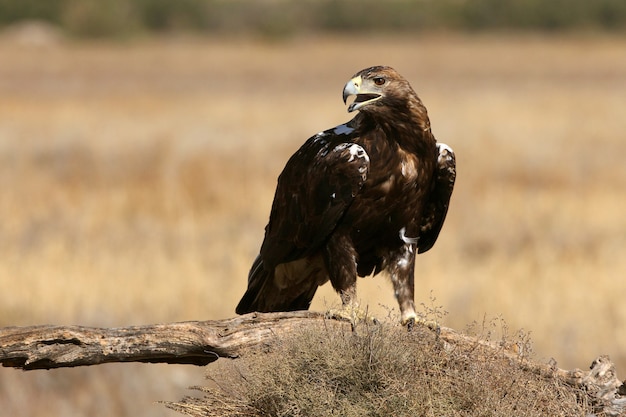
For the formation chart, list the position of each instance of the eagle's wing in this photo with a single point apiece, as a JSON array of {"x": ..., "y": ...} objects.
[
  {"x": 314, "y": 190},
  {"x": 436, "y": 207}
]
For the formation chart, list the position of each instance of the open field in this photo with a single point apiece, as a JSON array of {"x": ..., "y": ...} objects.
[{"x": 137, "y": 178}]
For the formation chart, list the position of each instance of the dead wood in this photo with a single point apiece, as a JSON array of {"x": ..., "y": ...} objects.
[
  {"x": 202, "y": 342},
  {"x": 192, "y": 342}
]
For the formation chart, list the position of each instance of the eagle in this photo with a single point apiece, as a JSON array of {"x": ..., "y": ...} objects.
[{"x": 360, "y": 198}]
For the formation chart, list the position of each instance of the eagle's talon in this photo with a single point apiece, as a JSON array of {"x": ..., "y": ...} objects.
[
  {"x": 412, "y": 321},
  {"x": 431, "y": 324},
  {"x": 351, "y": 314},
  {"x": 410, "y": 324}
]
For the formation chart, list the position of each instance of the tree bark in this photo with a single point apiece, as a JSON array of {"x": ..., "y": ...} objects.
[
  {"x": 192, "y": 342},
  {"x": 202, "y": 342}
]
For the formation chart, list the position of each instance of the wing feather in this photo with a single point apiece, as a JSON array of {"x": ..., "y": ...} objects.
[
  {"x": 436, "y": 207},
  {"x": 314, "y": 191}
]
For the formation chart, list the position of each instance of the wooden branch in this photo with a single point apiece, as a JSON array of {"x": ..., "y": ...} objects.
[
  {"x": 193, "y": 342},
  {"x": 202, "y": 342}
]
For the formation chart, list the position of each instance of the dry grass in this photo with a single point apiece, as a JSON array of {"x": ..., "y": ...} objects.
[
  {"x": 137, "y": 178},
  {"x": 379, "y": 371}
]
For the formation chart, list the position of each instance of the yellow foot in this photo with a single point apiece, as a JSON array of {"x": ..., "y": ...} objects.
[
  {"x": 410, "y": 323},
  {"x": 352, "y": 314}
]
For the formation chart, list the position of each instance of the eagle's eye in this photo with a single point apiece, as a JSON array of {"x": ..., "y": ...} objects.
[{"x": 379, "y": 80}]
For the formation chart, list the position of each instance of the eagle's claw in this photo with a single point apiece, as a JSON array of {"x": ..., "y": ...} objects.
[
  {"x": 431, "y": 324},
  {"x": 352, "y": 314}
]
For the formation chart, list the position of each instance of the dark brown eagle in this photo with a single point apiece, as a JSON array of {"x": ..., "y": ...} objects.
[{"x": 357, "y": 199}]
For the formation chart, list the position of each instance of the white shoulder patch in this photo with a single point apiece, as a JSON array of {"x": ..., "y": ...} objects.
[
  {"x": 343, "y": 130},
  {"x": 445, "y": 152},
  {"x": 356, "y": 151}
]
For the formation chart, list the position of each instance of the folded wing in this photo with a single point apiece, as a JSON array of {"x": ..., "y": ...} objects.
[
  {"x": 436, "y": 207},
  {"x": 313, "y": 193}
]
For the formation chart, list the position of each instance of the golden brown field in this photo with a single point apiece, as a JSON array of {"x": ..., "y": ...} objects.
[{"x": 137, "y": 178}]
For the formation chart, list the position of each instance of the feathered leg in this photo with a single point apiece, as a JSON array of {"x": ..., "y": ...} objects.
[
  {"x": 402, "y": 273},
  {"x": 401, "y": 270},
  {"x": 340, "y": 260}
]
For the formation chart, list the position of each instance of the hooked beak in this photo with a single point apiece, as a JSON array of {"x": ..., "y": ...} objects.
[
  {"x": 363, "y": 98},
  {"x": 351, "y": 89}
]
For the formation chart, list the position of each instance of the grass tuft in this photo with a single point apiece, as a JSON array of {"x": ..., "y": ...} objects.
[{"x": 379, "y": 370}]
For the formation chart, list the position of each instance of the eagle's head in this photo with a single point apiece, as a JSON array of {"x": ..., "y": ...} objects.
[{"x": 375, "y": 87}]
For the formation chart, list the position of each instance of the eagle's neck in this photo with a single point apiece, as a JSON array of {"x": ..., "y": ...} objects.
[{"x": 405, "y": 124}]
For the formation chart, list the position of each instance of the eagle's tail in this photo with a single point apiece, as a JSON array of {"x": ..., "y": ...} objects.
[
  {"x": 264, "y": 295},
  {"x": 257, "y": 278}
]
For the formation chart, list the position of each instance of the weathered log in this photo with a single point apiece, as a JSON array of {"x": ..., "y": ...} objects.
[
  {"x": 192, "y": 342},
  {"x": 202, "y": 342}
]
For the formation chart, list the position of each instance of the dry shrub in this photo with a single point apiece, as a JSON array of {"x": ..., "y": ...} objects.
[{"x": 379, "y": 370}]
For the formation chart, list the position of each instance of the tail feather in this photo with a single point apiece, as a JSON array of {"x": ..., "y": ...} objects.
[
  {"x": 264, "y": 294},
  {"x": 257, "y": 278}
]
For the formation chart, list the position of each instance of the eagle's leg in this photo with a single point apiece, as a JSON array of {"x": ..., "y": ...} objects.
[
  {"x": 401, "y": 270},
  {"x": 402, "y": 273},
  {"x": 340, "y": 260}
]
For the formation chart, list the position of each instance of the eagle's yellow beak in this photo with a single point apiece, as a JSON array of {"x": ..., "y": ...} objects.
[
  {"x": 364, "y": 96},
  {"x": 351, "y": 89}
]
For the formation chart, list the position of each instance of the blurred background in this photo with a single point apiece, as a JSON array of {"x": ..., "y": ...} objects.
[{"x": 140, "y": 142}]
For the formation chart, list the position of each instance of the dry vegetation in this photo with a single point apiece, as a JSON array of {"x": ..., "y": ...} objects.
[
  {"x": 379, "y": 371},
  {"x": 136, "y": 181}
]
